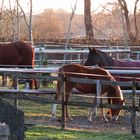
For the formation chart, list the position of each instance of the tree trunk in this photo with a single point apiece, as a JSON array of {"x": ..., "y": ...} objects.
[
  {"x": 135, "y": 23},
  {"x": 125, "y": 12},
  {"x": 30, "y": 24},
  {"x": 87, "y": 19}
]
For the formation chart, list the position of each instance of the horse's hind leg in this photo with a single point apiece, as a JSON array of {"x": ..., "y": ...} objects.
[
  {"x": 33, "y": 84},
  {"x": 92, "y": 111}
]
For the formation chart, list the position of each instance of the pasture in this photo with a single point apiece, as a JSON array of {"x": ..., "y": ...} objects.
[{"x": 38, "y": 112}]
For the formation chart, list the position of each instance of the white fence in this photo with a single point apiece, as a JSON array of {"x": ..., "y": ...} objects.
[{"x": 58, "y": 57}]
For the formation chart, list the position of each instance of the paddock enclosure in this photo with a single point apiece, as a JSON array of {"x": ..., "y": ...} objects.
[
  {"x": 42, "y": 96},
  {"x": 47, "y": 68},
  {"x": 56, "y": 54}
]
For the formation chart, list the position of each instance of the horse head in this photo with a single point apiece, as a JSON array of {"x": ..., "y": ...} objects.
[{"x": 96, "y": 57}]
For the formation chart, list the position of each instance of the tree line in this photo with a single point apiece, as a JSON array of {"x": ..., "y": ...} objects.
[{"x": 115, "y": 23}]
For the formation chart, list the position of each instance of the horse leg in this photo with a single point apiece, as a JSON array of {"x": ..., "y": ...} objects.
[
  {"x": 109, "y": 113},
  {"x": 4, "y": 81},
  {"x": 68, "y": 116},
  {"x": 103, "y": 115},
  {"x": 57, "y": 97},
  {"x": 33, "y": 83},
  {"x": 91, "y": 113}
]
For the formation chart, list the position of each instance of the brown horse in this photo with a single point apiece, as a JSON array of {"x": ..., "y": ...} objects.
[
  {"x": 17, "y": 54},
  {"x": 79, "y": 71}
]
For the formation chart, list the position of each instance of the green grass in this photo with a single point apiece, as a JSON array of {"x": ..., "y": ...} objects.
[
  {"x": 48, "y": 133},
  {"x": 38, "y": 110}
]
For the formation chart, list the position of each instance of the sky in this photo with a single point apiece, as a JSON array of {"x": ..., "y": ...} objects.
[
  {"x": 66, "y": 4},
  {"x": 40, "y": 5}
]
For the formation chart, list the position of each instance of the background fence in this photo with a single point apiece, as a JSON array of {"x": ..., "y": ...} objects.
[{"x": 55, "y": 54}]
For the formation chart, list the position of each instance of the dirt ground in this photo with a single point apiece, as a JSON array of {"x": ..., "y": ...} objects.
[{"x": 122, "y": 125}]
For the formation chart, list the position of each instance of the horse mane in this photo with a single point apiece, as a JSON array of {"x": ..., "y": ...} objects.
[
  {"x": 98, "y": 51},
  {"x": 105, "y": 55}
]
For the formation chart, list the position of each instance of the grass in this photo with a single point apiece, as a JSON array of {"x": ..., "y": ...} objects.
[
  {"x": 38, "y": 110},
  {"x": 51, "y": 133},
  {"x": 33, "y": 110}
]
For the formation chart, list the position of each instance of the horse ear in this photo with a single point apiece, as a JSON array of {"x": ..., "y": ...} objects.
[
  {"x": 93, "y": 50},
  {"x": 90, "y": 49}
]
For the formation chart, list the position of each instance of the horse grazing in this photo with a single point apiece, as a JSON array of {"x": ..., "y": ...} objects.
[
  {"x": 17, "y": 54},
  {"x": 79, "y": 71}
]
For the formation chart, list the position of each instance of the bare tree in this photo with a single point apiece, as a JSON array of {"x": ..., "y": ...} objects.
[
  {"x": 15, "y": 20},
  {"x": 125, "y": 12},
  {"x": 69, "y": 27},
  {"x": 70, "y": 22},
  {"x": 87, "y": 19},
  {"x": 28, "y": 23},
  {"x": 1, "y": 9},
  {"x": 135, "y": 22}
]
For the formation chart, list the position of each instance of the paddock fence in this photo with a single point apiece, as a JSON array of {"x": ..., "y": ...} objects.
[
  {"x": 57, "y": 54},
  {"x": 16, "y": 93}
]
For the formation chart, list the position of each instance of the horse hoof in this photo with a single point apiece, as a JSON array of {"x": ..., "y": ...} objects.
[
  {"x": 89, "y": 119},
  {"x": 69, "y": 119},
  {"x": 106, "y": 120},
  {"x": 52, "y": 119}
]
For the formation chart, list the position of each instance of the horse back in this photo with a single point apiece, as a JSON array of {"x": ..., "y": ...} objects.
[
  {"x": 79, "y": 71},
  {"x": 16, "y": 53}
]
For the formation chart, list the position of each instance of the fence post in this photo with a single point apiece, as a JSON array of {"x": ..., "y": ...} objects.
[
  {"x": 15, "y": 84},
  {"x": 63, "y": 91},
  {"x": 4, "y": 131},
  {"x": 98, "y": 93},
  {"x": 133, "y": 112}
]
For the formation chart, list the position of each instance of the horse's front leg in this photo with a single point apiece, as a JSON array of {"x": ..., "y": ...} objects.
[
  {"x": 103, "y": 115},
  {"x": 91, "y": 113}
]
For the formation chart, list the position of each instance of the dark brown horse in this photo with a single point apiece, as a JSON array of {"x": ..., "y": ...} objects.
[
  {"x": 97, "y": 57},
  {"x": 17, "y": 54},
  {"x": 79, "y": 71}
]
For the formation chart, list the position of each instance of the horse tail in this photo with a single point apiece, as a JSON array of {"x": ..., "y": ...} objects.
[
  {"x": 59, "y": 84},
  {"x": 33, "y": 58}
]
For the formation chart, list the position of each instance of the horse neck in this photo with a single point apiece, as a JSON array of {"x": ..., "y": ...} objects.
[
  {"x": 106, "y": 59},
  {"x": 117, "y": 93}
]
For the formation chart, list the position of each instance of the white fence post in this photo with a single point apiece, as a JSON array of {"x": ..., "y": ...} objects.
[{"x": 98, "y": 93}]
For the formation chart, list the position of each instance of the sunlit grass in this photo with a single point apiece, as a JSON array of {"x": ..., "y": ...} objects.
[{"x": 52, "y": 133}]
